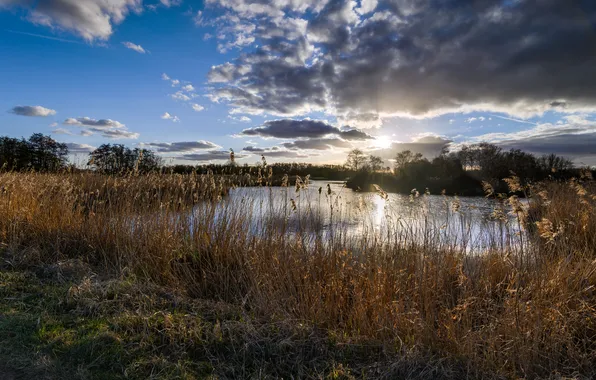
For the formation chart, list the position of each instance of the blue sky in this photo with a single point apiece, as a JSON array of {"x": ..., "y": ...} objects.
[{"x": 192, "y": 80}]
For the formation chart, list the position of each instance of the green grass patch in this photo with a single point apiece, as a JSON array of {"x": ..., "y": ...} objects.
[{"x": 123, "y": 329}]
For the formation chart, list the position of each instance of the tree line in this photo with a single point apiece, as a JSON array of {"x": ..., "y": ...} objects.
[
  {"x": 43, "y": 154},
  {"x": 460, "y": 172},
  {"x": 39, "y": 153},
  {"x": 119, "y": 159}
]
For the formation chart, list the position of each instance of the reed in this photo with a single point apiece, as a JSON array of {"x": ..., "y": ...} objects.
[{"x": 525, "y": 308}]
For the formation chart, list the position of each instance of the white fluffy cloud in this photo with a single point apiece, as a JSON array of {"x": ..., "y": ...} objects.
[
  {"x": 167, "y": 116},
  {"x": 170, "y": 3},
  {"x": 137, "y": 48},
  {"x": 90, "y": 19},
  {"x": 197, "y": 107},
  {"x": 61, "y": 131},
  {"x": 32, "y": 111},
  {"x": 179, "y": 95},
  {"x": 107, "y": 128},
  {"x": 75, "y": 148}
]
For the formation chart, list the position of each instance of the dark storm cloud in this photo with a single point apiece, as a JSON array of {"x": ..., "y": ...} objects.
[
  {"x": 565, "y": 144},
  {"x": 423, "y": 58},
  {"x": 181, "y": 147},
  {"x": 574, "y": 137},
  {"x": 307, "y": 128}
]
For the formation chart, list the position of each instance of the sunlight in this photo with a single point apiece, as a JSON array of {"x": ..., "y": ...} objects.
[
  {"x": 379, "y": 211},
  {"x": 382, "y": 142}
]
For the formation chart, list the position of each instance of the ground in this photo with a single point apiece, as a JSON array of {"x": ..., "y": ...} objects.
[{"x": 62, "y": 321}]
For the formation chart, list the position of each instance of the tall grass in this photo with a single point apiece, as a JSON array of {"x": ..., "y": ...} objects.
[{"x": 523, "y": 309}]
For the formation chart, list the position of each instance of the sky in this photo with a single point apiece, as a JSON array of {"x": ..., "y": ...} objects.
[{"x": 301, "y": 80}]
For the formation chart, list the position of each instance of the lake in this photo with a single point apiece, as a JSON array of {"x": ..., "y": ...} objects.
[{"x": 329, "y": 212}]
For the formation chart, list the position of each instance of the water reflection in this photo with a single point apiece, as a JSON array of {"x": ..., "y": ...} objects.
[{"x": 312, "y": 214}]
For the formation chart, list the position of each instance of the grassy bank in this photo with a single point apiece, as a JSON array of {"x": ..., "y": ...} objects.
[{"x": 103, "y": 278}]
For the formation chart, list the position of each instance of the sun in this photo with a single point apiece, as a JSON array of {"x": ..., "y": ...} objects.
[{"x": 382, "y": 142}]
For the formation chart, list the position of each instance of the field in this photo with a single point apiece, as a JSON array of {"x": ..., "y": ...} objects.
[{"x": 145, "y": 277}]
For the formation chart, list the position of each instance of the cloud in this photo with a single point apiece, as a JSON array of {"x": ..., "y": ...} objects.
[
  {"x": 407, "y": 58},
  {"x": 367, "y": 6},
  {"x": 274, "y": 152},
  {"x": 107, "y": 128},
  {"x": 429, "y": 146},
  {"x": 137, "y": 48},
  {"x": 181, "y": 147},
  {"x": 176, "y": 83},
  {"x": 318, "y": 144},
  {"x": 268, "y": 8},
  {"x": 115, "y": 134},
  {"x": 61, "y": 131},
  {"x": 306, "y": 128},
  {"x": 90, "y": 19},
  {"x": 574, "y": 145},
  {"x": 88, "y": 122},
  {"x": 242, "y": 119},
  {"x": 213, "y": 155},
  {"x": 197, "y": 107},
  {"x": 170, "y": 3},
  {"x": 354, "y": 134},
  {"x": 179, "y": 95},
  {"x": 32, "y": 111},
  {"x": 75, "y": 148},
  {"x": 574, "y": 137},
  {"x": 167, "y": 116},
  {"x": 199, "y": 20}
]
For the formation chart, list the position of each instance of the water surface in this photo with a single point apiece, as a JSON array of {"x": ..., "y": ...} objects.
[{"x": 329, "y": 211}]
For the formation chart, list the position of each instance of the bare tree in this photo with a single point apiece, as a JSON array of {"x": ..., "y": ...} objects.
[
  {"x": 405, "y": 157},
  {"x": 375, "y": 163},
  {"x": 356, "y": 159}
]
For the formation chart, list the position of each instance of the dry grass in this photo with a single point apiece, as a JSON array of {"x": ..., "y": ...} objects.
[{"x": 523, "y": 310}]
